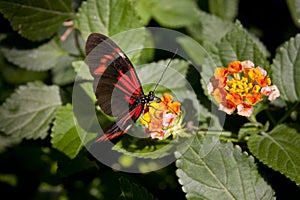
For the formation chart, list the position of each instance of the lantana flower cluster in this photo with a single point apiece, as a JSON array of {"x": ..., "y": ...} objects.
[
  {"x": 163, "y": 118},
  {"x": 241, "y": 86}
]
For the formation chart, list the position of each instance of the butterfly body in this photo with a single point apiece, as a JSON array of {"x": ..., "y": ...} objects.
[{"x": 117, "y": 88}]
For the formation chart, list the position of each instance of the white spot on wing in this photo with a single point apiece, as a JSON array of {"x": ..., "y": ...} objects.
[{"x": 122, "y": 54}]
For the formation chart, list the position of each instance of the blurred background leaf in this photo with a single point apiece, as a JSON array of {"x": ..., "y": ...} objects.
[
  {"x": 42, "y": 58},
  {"x": 132, "y": 190},
  {"x": 37, "y": 20},
  {"x": 294, "y": 6},
  {"x": 226, "y": 9}
]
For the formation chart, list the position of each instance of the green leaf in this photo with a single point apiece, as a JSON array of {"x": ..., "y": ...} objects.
[
  {"x": 147, "y": 53},
  {"x": 67, "y": 136},
  {"x": 209, "y": 29},
  {"x": 170, "y": 13},
  {"x": 83, "y": 73},
  {"x": 294, "y": 7},
  {"x": 144, "y": 9},
  {"x": 150, "y": 74},
  {"x": 36, "y": 20},
  {"x": 132, "y": 42},
  {"x": 40, "y": 59},
  {"x": 29, "y": 110},
  {"x": 174, "y": 13},
  {"x": 132, "y": 191},
  {"x": 286, "y": 71},
  {"x": 198, "y": 54},
  {"x": 279, "y": 149},
  {"x": 19, "y": 76},
  {"x": 237, "y": 44},
  {"x": 226, "y": 9},
  {"x": 145, "y": 148},
  {"x": 82, "y": 70},
  {"x": 63, "y": 72},
  {"x": 67, "y": 167},
  {"x": 208, "y": 169},
  {"x": 108, "y": 17}
]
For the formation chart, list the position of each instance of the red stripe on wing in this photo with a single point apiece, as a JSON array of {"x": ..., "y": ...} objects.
[
  {"x": 122, "y": 126},
  {"x": 100, "y": 70}
]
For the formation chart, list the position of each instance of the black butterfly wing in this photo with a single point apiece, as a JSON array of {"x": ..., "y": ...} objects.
[{"x": 116, "y": 85}]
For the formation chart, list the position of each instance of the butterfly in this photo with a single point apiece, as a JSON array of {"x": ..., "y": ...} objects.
[{"x": 116, "y": 85}]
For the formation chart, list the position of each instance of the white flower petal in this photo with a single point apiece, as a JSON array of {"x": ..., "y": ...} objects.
[
  {"x": 247, "y": 64},
  {"x": 274, "y": 93}
]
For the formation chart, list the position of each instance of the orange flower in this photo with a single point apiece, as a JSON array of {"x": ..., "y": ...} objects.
[
  {"x": 241, "y": 86},
  {"x": 252, "y": 99},
  {"x": 235, "y": 98},
  {"x": 220, "y": 94},
  {"x": 220, "y": 76},
  {"x": 235, "y": 67}
]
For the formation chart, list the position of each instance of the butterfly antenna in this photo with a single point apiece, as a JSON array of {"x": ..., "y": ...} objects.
[{"x": 162, "y": 75}]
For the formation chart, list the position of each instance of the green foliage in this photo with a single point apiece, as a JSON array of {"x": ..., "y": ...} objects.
[
  {"x": 279, "y": 149},
  {"x": 36, "y": 20},
  {"x": 108, "y": 17},
  {"x": 237, "y": 44},
  {"x": 41, "y": 70},
  {"x": 29, "y": 110},
  {"x": 285, "y": 64},
  {"x": 134, "y": 42},
  {"x": 40, "y": 59},
  {"x": 66, "y": 135},
  {"x": 208, "y": 169},
  {"x": 226, "y": 9},
  {"x": 144, "y": 148},
  {"x": 208, "y": 29},
  {"x": 169, "y": 13},
  {"x": 133, "y": 191},
  {"x": 294, "y": 6}
]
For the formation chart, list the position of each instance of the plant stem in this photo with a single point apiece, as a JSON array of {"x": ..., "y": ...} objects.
[
  {"x": 287, "y": 114},
  {"x": 271, "y": 118},
  {"x": 76, "y": 32},
  {"x": 252, "y": 118}
]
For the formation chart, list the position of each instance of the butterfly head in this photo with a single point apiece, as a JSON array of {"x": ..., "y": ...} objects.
[{"x": 148, "y": 98}]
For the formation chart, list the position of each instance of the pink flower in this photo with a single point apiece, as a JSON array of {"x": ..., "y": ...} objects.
[
  {"x": 271, "y": 91},
  {"x": 274, "y": 93},
  {"x": 157, "y": 135},
  {"x": 227, "y": 108},
  {"x": 244, "y": 109},
  {"x": 247, "y": 64}
]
